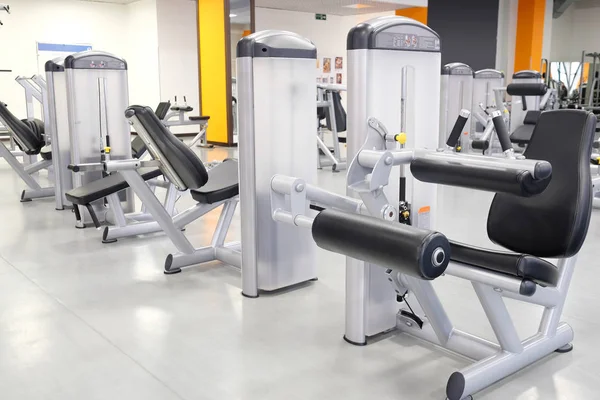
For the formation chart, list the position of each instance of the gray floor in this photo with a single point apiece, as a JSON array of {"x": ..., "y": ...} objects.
[{"x": 83, "y": 320}]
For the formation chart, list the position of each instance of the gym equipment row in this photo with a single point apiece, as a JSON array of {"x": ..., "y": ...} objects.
[{"x": 385, "y": 226}]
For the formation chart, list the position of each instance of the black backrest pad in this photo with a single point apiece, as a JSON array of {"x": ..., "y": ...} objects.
[
  {"x": 184, "y": 161},
  {"x": 555, "y": 222},
  {"x": 162, "y": 109},
  {"x": 526, "y": 89},
  {"x": 23, "y": 132}
]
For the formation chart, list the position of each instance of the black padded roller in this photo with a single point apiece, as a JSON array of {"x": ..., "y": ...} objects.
[
  {"x": 412, "y": 251},
  {"x": 513, "y": 181},
  {"x": 480, "y": 144},
  {"x": 456, "y": 131},
  {"x": 502, "y": 132},
  {"x": 526, "y": 89}
]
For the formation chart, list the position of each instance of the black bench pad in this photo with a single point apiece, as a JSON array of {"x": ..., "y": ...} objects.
[
  {"x": 522, "y": 135},
  {"x": 519, "y": 265},
  {"x": 223, "y": 183},
  {"x": 101, "y": 188}
]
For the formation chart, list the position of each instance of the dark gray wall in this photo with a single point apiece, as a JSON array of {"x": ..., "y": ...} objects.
[{"x": 468, "y": 30}]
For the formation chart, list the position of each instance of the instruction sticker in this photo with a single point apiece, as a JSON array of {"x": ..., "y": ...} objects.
[{"x": 423, "y": 218}]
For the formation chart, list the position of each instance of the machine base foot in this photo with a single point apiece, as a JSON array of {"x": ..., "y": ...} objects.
[
  {"x": 109, "y": 241},
  {"x": 313, "y": 279},
  {"x": 567, "y": 348},
  {"x": 249, "y": 297},
  {"x": 172, "y": 271},
  {"x": 354, "y": 343}
]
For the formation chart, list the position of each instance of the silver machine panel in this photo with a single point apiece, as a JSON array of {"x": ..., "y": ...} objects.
[
  {"x": 97, "y": 96},
  {"x": 274, "y": 255},
  {"x": 456, "y": 94},
  {"x": 398, "y": 86}
]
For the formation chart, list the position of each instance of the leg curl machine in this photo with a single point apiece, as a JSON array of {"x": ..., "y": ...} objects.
[{"x": 548, "y": 189}]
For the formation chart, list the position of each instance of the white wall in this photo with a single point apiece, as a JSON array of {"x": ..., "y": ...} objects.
[
  {"x": 178, "y": 54},
  {"x": 58, "y": 21},
  {"x": 329, "y": 36},
  {"x": 576, "y": 30},
  {"x": 141, "y": 53}
]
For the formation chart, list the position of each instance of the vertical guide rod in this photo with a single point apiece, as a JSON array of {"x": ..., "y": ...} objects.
[{"x": 402, "y": 186}]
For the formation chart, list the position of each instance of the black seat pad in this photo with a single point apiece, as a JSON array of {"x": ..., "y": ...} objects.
[
  {"x": 519, "y": 265},
  {"x": 199, "y": 118},
  {"x": 23, "y": 132},
  {"x": 532, "y": 117},
  {"x": 522, "y": 135},
  {"x": 223, "y": 183},
  {"x": 101, "y": 188}
]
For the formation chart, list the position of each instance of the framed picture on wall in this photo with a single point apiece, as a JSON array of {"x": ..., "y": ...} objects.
[
  {"x": 327, "y": 65},
  {"x": 338, "y": 79},
  {"x": 331, "y": 79},
  {"x": 339, "y": 63}
]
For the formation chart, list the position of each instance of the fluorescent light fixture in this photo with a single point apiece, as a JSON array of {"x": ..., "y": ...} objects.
[
  {"x": 232, "y": 15},
  {"x": 359, "y": 6}
]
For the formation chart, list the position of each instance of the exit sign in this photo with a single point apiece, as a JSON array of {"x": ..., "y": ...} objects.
[{"x": 321, "y": 17}]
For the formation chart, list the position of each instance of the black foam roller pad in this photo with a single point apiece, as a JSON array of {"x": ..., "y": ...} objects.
[
  {"x": 481, "y": 144},
  {"x": 502, "y": 132},
  {"x": 412, "y": 251},
  {"x": 526, "y": 89},
  {"x": 456, "y": 131}
]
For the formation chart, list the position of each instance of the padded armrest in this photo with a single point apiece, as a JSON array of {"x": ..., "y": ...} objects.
[{"x": 512, "y": 181}]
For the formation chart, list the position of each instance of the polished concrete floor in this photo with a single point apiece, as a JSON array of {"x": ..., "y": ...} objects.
[{"x": 83, "y": 320}]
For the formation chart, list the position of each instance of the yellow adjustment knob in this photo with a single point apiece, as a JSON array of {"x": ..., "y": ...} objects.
[
  {"x": 107, "y": 150},
  {"x": 405, "y": 214},
  {"x": 401, "y": 138},
  {"x": 458, "y": 148}
]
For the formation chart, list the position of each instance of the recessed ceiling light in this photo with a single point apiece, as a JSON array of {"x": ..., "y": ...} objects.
[
  {"x": 232, "y": 15},
  {"x": 359, "y": 6}
]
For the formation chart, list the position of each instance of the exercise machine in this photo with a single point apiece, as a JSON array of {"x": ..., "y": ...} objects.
[
  {"x": 272, "y": 256},
  {"x": 387, "y": 261},
  {"x": 30, "y": 138},
  {"x": 178, "y": 116},
  {"x": 330, "y": 109},
  {"x": 456, "y": 95},
  {"x": 488, "y": 96},
  {"x": 530, "y": 96}
]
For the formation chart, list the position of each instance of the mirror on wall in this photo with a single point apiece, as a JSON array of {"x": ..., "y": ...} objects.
[{"x": 240, "y": 22}]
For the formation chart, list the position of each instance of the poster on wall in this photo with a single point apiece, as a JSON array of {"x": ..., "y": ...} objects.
[
  {"x": 50, "y": 51},
  {"x": 338, "y": 79},
  {"x": 339, "y": 63},
  {"x": 331, "y": 79},
  {"x": 327, "y": 65}
]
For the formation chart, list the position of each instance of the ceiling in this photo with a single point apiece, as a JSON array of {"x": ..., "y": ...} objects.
[
  {"x": 241, "y": 8},
  {"x": 339, "y": 7}
]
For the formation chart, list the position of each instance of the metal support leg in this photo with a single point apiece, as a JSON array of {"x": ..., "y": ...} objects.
[{"x": 156, "y": 209}]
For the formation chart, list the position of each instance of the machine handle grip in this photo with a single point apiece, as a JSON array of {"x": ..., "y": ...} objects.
[
  {"x": 520, "y": 182},
  {"x": 412, "y": 251},
  {"x": 501, "y": 130},
  {"x": 459, "y": 125}
]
